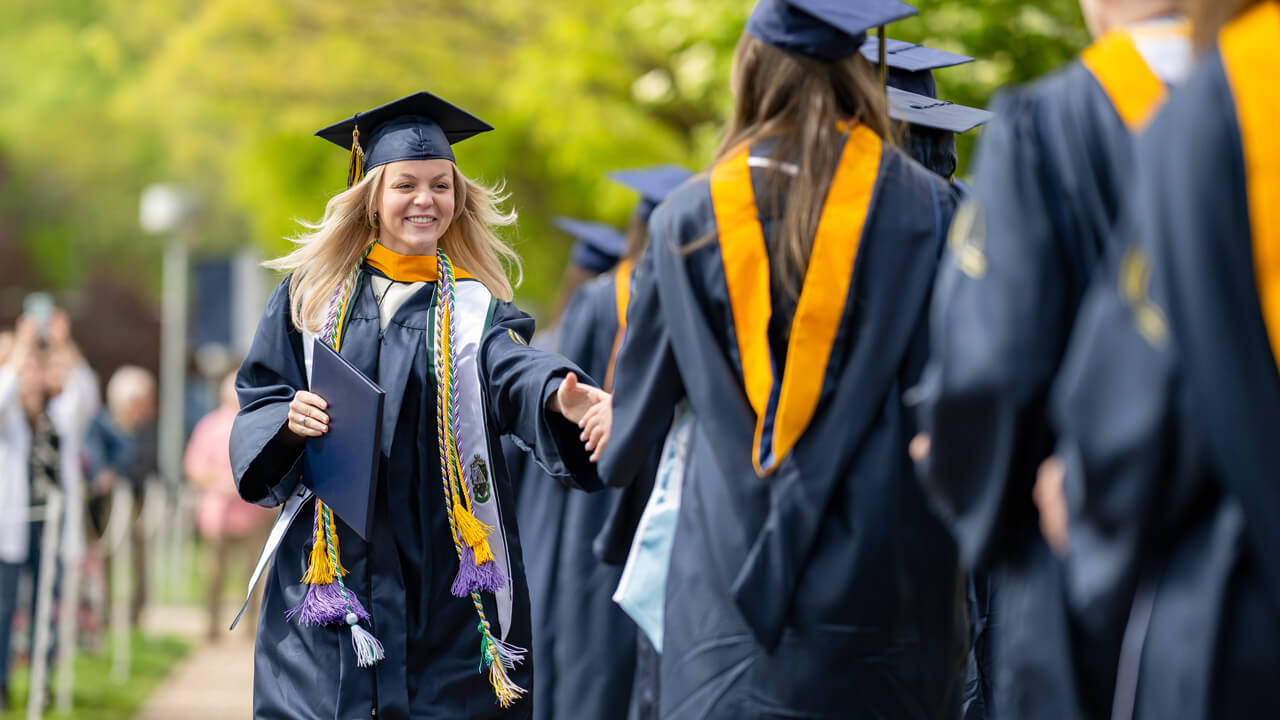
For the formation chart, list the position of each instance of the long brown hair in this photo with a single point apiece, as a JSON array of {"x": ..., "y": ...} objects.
[
  {"x": 799, "y": 102},
  {"x": 329, "y": 249},
  {"x": 1209, "y": 16}
]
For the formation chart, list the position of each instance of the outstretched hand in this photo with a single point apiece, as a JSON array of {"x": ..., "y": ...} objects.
[{"x": 578, "y": 403}]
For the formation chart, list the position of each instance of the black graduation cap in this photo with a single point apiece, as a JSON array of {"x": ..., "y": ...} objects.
[
  {"x": 420, "y": 126},
  {"x": 825, "y": 29},
  {"x": 653, "y": 183},
  {"x": 929, "y": 112},
  {"x": 599, "y": 246}
]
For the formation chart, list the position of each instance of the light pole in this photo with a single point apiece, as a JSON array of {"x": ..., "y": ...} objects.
[{"x": 165, "y": 210}]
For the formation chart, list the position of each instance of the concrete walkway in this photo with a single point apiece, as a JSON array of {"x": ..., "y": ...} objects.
[{"x": 214, "y": 682}]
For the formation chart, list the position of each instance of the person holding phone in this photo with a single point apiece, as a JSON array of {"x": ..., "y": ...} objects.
[{"x": 48, "y": 396}]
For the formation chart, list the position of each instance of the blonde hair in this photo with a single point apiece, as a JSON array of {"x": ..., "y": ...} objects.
[
  {"x": 325, "y": 256},
  {"x": 799, "y": 101}
]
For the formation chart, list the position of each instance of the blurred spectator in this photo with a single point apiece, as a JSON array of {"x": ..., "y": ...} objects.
[
  {"x": 122, "y": 448},
  {"x": 48, "y": 396},
  {"x": 233, "y": 527}
]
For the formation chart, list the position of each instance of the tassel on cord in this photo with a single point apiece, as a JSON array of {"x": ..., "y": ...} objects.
[
  {"x": 482, "y": 553},
  {"x": 476, "y": 577},
  {"x": 333, "y": 541},
  {"x": 320, "y": 570},
  {"x": 499, "y": 657},
  {"x": 325, "y": 605},
  {"x": 472, "y": 531},
  {"x": 368, "y": 650}
]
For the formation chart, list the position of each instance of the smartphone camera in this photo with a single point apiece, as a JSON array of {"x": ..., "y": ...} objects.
[{"x": 38, "y": 307}]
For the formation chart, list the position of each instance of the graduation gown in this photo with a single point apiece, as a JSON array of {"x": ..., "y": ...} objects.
[
  {"x": 1169, "y": 400},
  {"x": 1051, "y": 172},
  {"x": 824, "y": 588},
  {"x": 584, "y": 644},
  {"x": 402, "y": 575}
]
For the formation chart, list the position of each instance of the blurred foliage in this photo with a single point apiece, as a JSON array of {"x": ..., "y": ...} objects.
[{"x": 99, "y": 98}]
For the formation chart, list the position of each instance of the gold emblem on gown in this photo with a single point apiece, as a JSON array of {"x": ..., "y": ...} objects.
[
  {"x": 968, "y": 239},
  {"x": 1135, "y": 287}
]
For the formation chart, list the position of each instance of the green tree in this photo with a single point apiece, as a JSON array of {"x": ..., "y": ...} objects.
[{"x": 101, "y": 98}]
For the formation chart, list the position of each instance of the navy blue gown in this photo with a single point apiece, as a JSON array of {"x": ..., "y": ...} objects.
[
  {"x": 826, "y": 589},
  {"x": 584, "y": 644},
  {"x": 1051, "y": 173},
  {"x": 1169, "y": 401},
  {"x": 403, "y": 574}
]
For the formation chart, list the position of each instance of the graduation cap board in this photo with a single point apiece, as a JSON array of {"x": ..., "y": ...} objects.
[
  {"x": 420, "y": 126},
  {"x": 909, "y": 66},
  {"x": 341, "y": 466},
  {"x": 932, "y": 113},
  {"x": 909, "y": 57},
  {"x": 824, "y": 29},
  {"x": 653, "y": 183},
  {"x": 599, "y": 245}
]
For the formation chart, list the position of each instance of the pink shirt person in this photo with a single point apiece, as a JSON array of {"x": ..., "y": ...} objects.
[{"x": 220, "y": 512}]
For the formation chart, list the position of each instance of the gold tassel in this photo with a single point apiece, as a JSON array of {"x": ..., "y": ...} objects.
[
  {"x": 355, "y": 168},
  {"x": 482, "y": 552},
  {"x": 319, "y": 569},
  {"x": 470, "y": 529},
  {"x": 337, "y": 552},
  {"x": 504, "y": 688}
]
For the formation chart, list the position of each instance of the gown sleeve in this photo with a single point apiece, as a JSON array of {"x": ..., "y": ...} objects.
[
  {"x": 520, "y": 379},
  {"x": 1131, "y": 465},
  {"x": 264, "y": 457},
  {"x": 647, "y": 384},
  {"x": 1000, "y": 315}
]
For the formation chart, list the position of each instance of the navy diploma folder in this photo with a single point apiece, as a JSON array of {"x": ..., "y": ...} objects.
[{"x": 341, "y": 466}]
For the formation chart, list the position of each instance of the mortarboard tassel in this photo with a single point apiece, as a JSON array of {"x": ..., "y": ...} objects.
[
  {"x": 884, "y": 59},
  {"x": 355, "y": 167}
]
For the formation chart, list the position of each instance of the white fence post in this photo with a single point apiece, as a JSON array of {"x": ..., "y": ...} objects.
[
  {"x": 43, "y": 611},
  {"x": 120, "y": 549},
  {"x": 68, "y": 623}
]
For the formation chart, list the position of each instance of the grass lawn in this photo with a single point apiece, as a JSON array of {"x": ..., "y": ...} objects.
[{"x": 95, "y": 695}]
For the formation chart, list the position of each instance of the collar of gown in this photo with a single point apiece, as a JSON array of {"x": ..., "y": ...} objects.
[{"x": 407, "y": 268}]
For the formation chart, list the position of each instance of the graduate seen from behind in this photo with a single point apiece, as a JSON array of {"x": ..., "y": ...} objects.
[
  {"x": 1051, "y": 174},
  {"x": 1168, "y": 401},
  {"x": 782, "y": 298},
  {"x": 404, "y": 275}
]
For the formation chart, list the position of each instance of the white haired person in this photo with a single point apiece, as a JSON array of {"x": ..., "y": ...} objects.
[{"x": 122, "y": 449}]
